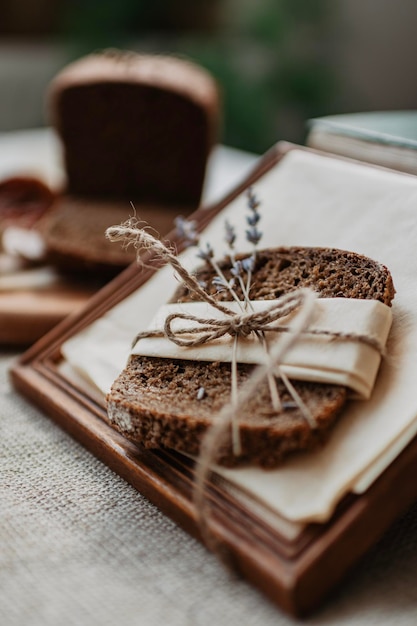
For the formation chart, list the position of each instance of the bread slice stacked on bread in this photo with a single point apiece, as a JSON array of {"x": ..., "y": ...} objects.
[
  {"x": 155, "y": 401},
  {"x": 134, "y": 129},
  {"x": 75, "y": 234}
]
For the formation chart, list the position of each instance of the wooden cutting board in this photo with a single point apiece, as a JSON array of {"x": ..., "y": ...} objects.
[{"x": 26, "y": 316}]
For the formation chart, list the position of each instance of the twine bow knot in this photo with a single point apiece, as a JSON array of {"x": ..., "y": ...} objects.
[{"x": 240, "y": 324}]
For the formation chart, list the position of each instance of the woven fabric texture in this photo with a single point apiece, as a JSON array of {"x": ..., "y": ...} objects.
[{"x": 79, "y": 546}]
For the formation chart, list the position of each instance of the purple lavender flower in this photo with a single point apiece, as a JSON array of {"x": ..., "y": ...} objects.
[
  {"x": 187, "y": 230},
  {"x": 222, "y": 284},
  {"x": 230, "y": 235},
  {"x": 206, "y": 254},
  {"x": 253, "y": 201},
  {"x": 248, "y": 264},
  {"x": 236, "y": 269},
  {"x": 253, "y": 219},
  {"x": 253, "y": 235}
]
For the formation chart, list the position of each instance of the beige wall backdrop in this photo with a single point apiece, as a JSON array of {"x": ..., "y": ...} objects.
[{"x": 375, "y": 53}]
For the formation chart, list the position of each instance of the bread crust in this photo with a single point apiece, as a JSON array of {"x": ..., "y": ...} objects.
[{"x": 160, "y": 71}]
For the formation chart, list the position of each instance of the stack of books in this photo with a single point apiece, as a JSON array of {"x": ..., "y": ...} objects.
[{"x": 387, "y": 138}]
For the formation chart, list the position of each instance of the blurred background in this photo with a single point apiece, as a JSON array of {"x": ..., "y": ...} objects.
[{"x": 278, "y": 62}]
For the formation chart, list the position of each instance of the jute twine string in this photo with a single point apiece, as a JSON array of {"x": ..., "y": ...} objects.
[
  {"x": 218, "y": 432},
  {"x": 209, "y": 329},
  {"x": 237, "y": 325},
  {"x": 243, "y": 324},
  {"x": 129, "y": 233}
]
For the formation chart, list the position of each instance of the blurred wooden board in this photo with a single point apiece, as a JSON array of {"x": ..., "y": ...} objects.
[
  {"x": 27, "y": 314},
  {"x": 296, "y": 567}
]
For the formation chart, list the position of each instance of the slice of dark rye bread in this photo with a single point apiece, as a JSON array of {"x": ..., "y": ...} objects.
[
  {"x": 154, "y": 400},
  {"x": 74, "y": 234}
]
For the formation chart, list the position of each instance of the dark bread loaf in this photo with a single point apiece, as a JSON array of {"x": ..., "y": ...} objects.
[
  {"x": 134, "y": 129},
  {"x": 154, "y": 400},
  {"x": 135, "y": 126}
]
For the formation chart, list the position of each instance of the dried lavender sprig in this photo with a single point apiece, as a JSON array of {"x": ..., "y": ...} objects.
[
  {"x": 253, "y": 235},
  {"x": 187, "y": 231},
  {"x": 248, "y": 265},
  {"x": 236, "y": 270},
  {"x": 230, "y": 237}
]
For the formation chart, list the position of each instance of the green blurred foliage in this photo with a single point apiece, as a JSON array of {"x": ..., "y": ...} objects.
[{"x": 267, "y": 55}]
